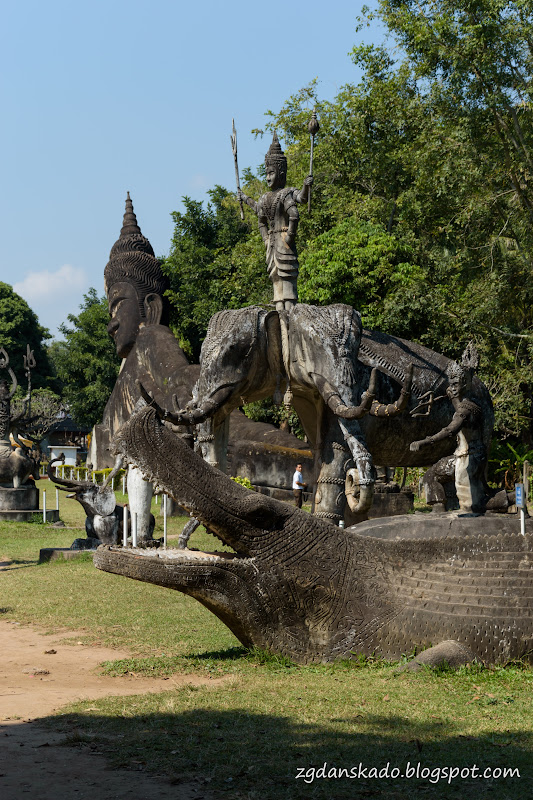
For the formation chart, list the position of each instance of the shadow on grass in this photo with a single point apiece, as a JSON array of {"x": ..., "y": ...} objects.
[
  {"x": 20, "y": 563},
  {"x": 230, "y": 654},
  {"x": 241, "y": 754}
]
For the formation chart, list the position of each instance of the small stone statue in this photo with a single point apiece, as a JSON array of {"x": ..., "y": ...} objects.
[
  {"x": 278, "y": 217},
  {"x": 15, "y": 463},
  {"x": 467, "y": 425}
]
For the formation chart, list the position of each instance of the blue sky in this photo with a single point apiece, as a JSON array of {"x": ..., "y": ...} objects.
[{"x": 104, "y": 97}]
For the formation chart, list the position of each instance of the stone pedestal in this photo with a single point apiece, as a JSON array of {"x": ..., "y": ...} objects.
[
  {"x": 25, "y": 498},
  {"x": 22, "y": 504}
]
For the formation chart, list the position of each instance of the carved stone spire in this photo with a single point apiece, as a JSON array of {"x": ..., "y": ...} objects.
[{"x": 129, "y": 223}]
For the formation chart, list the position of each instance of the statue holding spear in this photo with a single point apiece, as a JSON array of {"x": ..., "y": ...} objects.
[{"x": 277, "y": 213}]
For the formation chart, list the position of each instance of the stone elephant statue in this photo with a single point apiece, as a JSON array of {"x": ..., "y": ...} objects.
[{"x": 336, "y": 372}]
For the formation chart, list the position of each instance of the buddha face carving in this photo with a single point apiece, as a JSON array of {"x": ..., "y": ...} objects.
[{"x": 125, "y": 316}]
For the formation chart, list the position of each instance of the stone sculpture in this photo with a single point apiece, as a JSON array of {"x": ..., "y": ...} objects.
[
  {"x": 16, "y": 465},
  {"x": 139, "y": 311},
  {"x": 104, "y": 517},
  {"x": 335, "y": 369},
  {"x": 470, "y": 456},
  {"x": 277, "y": 212},
  {"x": 301, "y": 587}
]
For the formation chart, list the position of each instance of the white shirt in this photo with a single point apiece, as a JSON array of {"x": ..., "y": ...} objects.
[{"x": 297, "y": 479}]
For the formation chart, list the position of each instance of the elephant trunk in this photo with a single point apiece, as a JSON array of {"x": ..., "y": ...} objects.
[
  {"x": 205, "y": 409},
  {"x": 366, "y": 493},
  {"x": 195, "y": 412}
]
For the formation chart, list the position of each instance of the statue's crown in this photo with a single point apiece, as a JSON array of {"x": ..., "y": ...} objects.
[
  {"x": 275, "y": 156},
  {"x": 132, "y": 260}
]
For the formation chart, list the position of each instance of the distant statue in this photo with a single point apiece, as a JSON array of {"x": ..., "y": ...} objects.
[
  {"x": 139, "y": 311},
  {"x": 277, "y": 212},
  {"x": 16, "y": 465},
  {"x": 470, "y": 456}
]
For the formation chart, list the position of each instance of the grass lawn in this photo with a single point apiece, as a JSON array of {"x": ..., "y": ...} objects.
[{"x": 270, "y": 720}]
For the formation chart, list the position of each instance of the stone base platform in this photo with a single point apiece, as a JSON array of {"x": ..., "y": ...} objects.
[
  {"x": 60, "y": 553},
  {"x": 22, "y": 504},
  {"x": 16, "y": 515}
]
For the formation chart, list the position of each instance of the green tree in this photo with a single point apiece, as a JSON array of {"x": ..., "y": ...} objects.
[
  {"x": 86, "y": 362},
  {"x": 435, "y": 150},
  {"x": 19, "y": 327},
  {"x": 42, "y": 414},
  {"x": 215, "y": 262}
]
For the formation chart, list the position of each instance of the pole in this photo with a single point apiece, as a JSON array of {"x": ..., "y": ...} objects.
[
  {"x": 134, "y": 529},
  {"x": 57, "y": 499},
  {"x": 313, "y": 128},
  {"x": 233, "y": 138},
  {"x": 124, "y": 484},
  {"x": 165, "y": 521},
  {"x": 44, "y": 505},
  {"x": 125, "y": 527},
  {"x": 525, "y": 480}
]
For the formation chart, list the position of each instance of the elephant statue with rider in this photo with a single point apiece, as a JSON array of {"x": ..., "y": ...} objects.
[{"x": 362, "y": 396}]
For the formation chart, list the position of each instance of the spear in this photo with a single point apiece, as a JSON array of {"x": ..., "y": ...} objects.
[
  {"x": 234, "y": 148},
  {"x": 29, "y": 364},
  {"x": 313, "y": 128}
]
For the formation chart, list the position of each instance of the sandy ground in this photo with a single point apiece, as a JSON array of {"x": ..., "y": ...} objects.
[{"x": 38, "y": 675}]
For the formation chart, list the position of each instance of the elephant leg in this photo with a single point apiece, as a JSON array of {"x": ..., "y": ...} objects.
[
  {"x": 363, "y": 461},
  {"x": 330, "y": 499}
]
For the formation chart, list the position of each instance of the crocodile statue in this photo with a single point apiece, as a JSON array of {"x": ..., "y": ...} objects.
[{"x": 298, "y": 585}]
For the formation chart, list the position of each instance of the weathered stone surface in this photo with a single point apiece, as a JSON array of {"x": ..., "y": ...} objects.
[
  {"x": 358, "y": 393},
  {"x": 299, "y": 586},
  {"x": 450, "y": 653}
]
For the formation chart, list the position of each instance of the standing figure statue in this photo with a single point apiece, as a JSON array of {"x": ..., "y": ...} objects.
[
  {"x": 278, "y": 217},
  {"x": 470, "y": 456}
]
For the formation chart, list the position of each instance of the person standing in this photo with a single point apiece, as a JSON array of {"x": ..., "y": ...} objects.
[{"x": 298, "y": 486}]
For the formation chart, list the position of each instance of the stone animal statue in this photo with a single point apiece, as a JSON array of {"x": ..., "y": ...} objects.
[
  {"x": 104, "y": 520},
  {"x": 299, "y": 586},
  {"x": 355, "y": 391}
]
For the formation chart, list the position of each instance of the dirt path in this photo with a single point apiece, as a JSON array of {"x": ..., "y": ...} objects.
[{"x": 38, "y": 675}]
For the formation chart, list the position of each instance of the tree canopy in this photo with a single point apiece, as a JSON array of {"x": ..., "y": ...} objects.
[
  {"x": 86, "y": 362},
  {"x": 19, "y": 327}
]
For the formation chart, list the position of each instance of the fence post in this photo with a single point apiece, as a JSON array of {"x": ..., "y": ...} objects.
[
  {"x": 134, "y": 529},
  {"x": 165, "y": 521},
  {"x": 125, "y": 527},
  {"x": 44, "y": 505}
]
